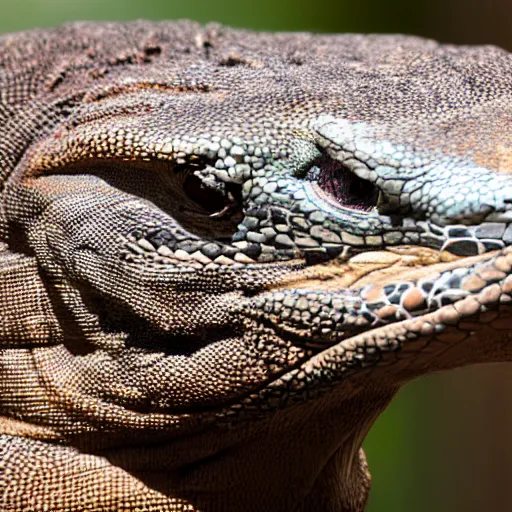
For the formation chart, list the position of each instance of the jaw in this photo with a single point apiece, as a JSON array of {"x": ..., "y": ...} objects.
[
  {"x": 417, "y": 319},
  {"x": 310, "y": 443}
]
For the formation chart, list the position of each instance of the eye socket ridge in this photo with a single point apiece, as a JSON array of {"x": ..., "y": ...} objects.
[{"x": 337, "y": 183}]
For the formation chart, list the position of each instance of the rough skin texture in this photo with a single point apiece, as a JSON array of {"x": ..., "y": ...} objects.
[{"x": 222, "y": 253}]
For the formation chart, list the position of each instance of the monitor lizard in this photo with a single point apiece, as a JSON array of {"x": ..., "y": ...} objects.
[{"x": 223, "y": 252}]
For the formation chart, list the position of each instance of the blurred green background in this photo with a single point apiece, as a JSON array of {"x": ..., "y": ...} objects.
[
  {"x": 458, "y": 21},
  {"x": 445, "y": 443}
]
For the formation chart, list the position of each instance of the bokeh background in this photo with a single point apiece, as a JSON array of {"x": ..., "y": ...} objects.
[{"x": 445, "y": 444}]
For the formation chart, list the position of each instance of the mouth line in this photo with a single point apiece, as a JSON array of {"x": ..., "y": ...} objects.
[
  {"x": 366, "y": 350},
  {"x": 321, "y": 317}
]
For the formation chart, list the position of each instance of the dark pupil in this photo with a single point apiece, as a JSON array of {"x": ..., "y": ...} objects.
[{"x": 342, "y": 184}]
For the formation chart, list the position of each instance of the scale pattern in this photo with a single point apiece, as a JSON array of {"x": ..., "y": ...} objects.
[{"x": 223, "y": 252}]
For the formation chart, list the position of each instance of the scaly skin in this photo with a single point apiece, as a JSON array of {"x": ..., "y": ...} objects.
[{"x": 222, "y": 253}]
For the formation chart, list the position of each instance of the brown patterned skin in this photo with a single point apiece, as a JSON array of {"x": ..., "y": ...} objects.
[{"x": 223, "y": 252}]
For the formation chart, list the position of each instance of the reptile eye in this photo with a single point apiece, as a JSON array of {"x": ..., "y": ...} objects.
[
  {"x": 219, "y": 200},
  {"x": 210, "y": 198},
  {"x": 335, "y": 183}
]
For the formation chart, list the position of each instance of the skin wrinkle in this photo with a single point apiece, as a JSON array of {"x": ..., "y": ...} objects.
[{"x": 218, "y": 319}]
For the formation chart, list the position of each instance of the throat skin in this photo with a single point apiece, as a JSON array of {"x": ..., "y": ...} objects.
[{"x": 322, "y": 466}]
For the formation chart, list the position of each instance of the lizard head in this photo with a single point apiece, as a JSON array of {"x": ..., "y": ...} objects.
[{"x": 246, "y": 229}]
